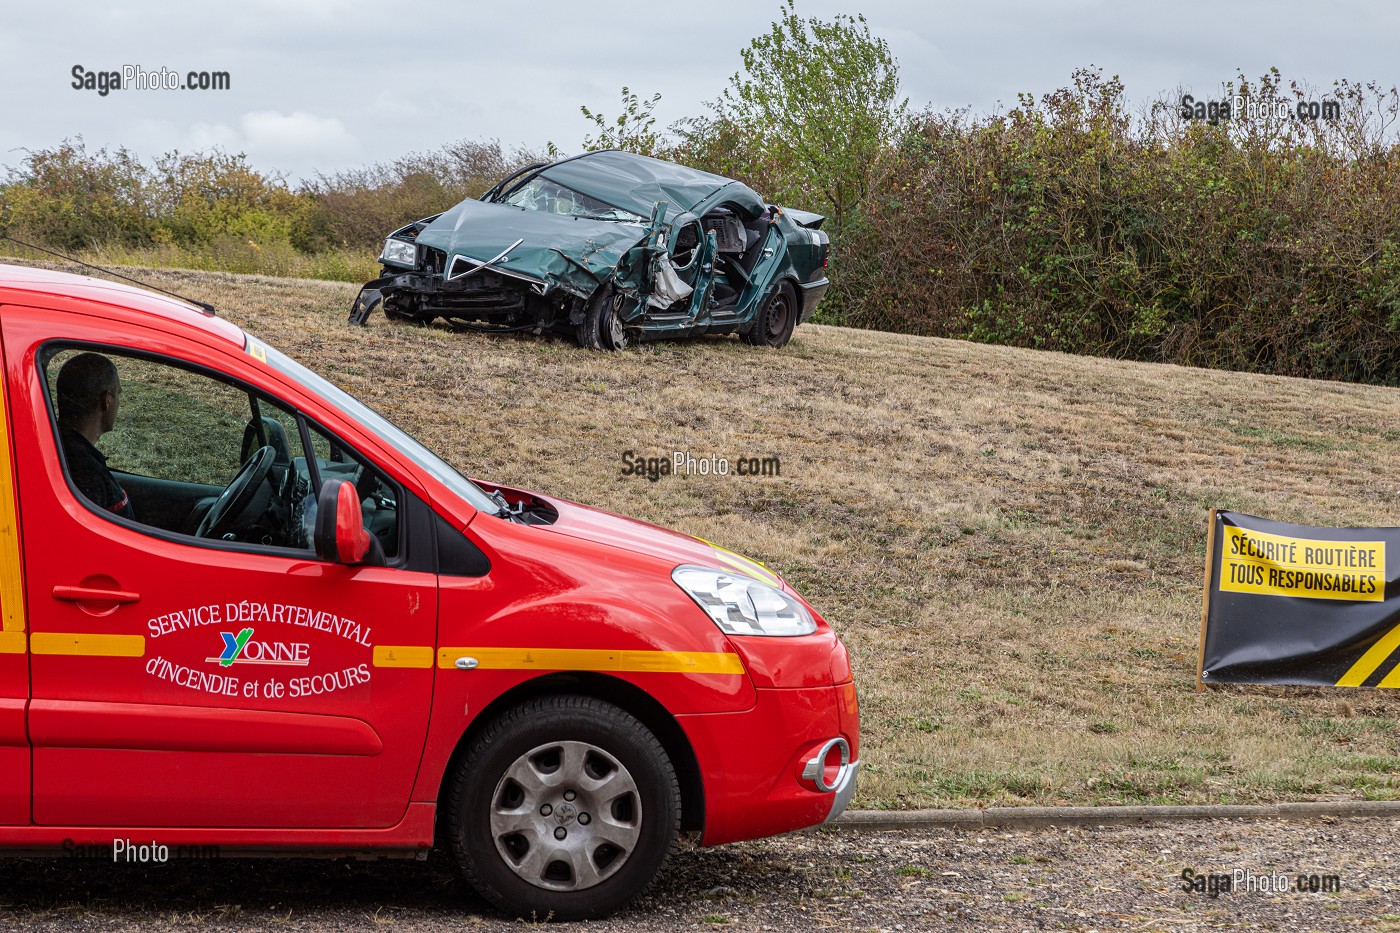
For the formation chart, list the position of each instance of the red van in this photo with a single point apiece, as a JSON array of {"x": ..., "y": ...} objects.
[{"x": 241, "y": 609}]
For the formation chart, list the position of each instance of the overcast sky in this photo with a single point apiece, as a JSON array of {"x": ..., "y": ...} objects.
[{"x": 318, "y": 85}]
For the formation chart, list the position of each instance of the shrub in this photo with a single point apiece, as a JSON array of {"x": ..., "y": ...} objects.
[
  {"x": 361, "y": 206},
  {"x": 70, "y": 198},
  {"x": 1067, "y": 224}
]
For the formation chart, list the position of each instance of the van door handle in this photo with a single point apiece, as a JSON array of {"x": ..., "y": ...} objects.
[{"x": 79, "y": 594}]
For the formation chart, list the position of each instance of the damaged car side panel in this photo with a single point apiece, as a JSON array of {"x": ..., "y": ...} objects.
[{"x": 612, "y": 247}]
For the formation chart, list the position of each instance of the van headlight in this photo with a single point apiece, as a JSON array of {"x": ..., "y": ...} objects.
[
  {"x": 740, "y": 605},
  {"x": 400, "y": 253}
]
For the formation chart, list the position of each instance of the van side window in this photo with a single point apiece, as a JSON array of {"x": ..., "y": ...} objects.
[
  {"x": 379, "y": 498},
  {"x": 181, "y": 451}
]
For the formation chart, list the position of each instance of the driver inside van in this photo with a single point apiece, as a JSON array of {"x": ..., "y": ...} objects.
[{"x": 89, "y": 394}]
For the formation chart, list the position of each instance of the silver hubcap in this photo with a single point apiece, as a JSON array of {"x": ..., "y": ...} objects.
[
  {"x": 566, "y": 816},
  {"x": 615, "y": 332}
]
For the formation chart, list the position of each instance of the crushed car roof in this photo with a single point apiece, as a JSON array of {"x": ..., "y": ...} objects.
[{"x": 635, "y": 183}]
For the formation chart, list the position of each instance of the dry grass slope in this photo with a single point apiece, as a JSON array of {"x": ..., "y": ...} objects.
[{"x": 1010, "y": 541}]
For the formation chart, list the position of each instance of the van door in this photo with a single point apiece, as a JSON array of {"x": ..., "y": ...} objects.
[
  {"x": 14, "y": 663},
  {"x": 205, "y": 669}
]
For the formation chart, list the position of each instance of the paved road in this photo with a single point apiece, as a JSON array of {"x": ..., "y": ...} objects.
[{"x": 1106, "y": 878}]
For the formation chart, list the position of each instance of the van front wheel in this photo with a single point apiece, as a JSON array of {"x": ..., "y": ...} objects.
[{"x": 564, "y": 808}]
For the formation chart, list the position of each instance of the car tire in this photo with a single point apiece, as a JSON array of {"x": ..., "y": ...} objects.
[
  {"x": 563, "y": 808},
  {"x": 773, "y": 325},
  {"x": 602, "y": 328}
]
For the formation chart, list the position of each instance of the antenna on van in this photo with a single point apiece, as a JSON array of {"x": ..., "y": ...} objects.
[{"x": 204, "y": 306}]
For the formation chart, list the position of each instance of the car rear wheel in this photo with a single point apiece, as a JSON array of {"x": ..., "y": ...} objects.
[
  {"x": 775, "y": 321},
  {"x": 564, "y": 808},
  {"x": 602, "y": 325}
]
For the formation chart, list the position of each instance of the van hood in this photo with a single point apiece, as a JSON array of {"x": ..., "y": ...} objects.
[{"x": 629, "y": 534}]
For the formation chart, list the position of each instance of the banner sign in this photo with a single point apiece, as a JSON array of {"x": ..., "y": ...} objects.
[{"x": 1291, "y": 604}]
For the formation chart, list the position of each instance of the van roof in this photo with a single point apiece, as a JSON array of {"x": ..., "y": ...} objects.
[{"x": 18, "y": 281}]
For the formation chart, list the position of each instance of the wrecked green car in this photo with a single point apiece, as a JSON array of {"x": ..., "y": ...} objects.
[{"x": 610, "y": 247}]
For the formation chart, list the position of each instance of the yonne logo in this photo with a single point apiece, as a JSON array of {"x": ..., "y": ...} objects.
[{"x": 242, "y": 649}]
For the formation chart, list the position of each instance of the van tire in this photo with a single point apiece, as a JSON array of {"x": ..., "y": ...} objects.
[{"x": 538, "y": 853}]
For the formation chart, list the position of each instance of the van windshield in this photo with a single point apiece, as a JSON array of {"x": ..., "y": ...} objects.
[{"x": 390, "y": 433}]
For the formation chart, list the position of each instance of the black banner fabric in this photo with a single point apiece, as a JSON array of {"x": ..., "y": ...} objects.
[{"x": 1292, "y": 604}]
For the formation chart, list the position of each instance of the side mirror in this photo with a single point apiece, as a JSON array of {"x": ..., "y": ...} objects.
[{"x": 340, "y": 534}]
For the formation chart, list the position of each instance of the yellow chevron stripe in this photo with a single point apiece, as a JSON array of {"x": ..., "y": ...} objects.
[
  {"x": 1366, "y": 665},
  {"x": 1391, "y": 680},
  {"x": 579, "y": 659},
  {"x": 403, "y": 656},
  {"x": 89, "y": 645},
  {"x": 12, "y": 643}
]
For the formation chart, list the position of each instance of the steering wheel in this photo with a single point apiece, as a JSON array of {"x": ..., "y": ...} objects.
[{"x": 238, "y": 495}]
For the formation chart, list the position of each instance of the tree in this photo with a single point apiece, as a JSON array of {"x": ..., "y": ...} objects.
[
  {"x": 817, "y": 104},
  {"x": 632, "y": 130}
]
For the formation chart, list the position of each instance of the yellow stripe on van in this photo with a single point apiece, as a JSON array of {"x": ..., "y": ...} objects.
[
  {"x": 11, "y": 643},
  {"x": 89, "y": 645},
  {"x": 11, "y": 585},
  {"x": 587, "y": 659},
  {"x": 403, "y": 656}
]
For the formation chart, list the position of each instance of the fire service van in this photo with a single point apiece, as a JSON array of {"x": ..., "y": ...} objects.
[{"x": 242, "y": 609}]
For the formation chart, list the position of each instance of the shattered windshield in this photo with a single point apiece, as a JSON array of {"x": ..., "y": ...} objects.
[{"x": 541, "y": 194}]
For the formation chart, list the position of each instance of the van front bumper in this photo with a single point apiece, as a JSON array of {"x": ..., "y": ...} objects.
[
  {"x": 757, "y": 765},
  {"x": 845, "y": 790}
]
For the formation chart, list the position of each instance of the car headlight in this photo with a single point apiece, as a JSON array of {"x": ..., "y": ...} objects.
[
  {"x": 399, "y": 252},
  {"x": 740, "y": 605}
]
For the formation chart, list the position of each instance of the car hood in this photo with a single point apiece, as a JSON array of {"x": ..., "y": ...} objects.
[
  {"x": 559, "y": 251},
  {"x": 629, "y": 534}
]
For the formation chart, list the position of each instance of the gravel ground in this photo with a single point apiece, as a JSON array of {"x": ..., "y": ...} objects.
[{"x": 1083, "y": 878}]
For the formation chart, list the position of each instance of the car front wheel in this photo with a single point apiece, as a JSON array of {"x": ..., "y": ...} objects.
[
  {"x": 564, "y": 808},
  {"x": 602, "y": 325}
]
